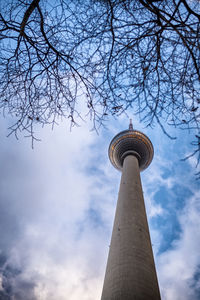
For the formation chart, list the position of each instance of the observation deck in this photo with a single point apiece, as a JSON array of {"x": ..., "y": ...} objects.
[{"x": 131, "y": 142}]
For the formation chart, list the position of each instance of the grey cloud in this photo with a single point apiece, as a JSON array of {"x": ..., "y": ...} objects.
[
  {"x": 57, "y": 205},
  {"x": 13, "y": 286},
  {"x": 44, "y": 200}
]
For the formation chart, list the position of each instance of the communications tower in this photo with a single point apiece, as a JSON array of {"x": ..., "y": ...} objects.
[{"x": 130, "y": 272}]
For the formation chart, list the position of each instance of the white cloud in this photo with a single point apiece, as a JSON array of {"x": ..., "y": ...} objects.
[
  {"x": 1, "y": 281},
  {"x": 178, "y": 265},
  {"x": 49, "y": 191},
  {"x": 51, "y": 196}
]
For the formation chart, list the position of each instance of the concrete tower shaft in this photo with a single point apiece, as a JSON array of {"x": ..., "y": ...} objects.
[{"x": 130, "y": 272}]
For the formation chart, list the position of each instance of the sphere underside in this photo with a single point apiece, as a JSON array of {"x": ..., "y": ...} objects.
[{"x": 131, "y": 142}]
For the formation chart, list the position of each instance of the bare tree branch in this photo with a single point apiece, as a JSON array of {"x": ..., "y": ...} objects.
[{"x": 99, "y": 58}]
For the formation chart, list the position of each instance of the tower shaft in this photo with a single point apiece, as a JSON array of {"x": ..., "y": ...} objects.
[{"x": 130, "y": 272}]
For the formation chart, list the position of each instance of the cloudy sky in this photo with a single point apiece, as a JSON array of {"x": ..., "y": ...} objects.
[{"x": 57, "y": 204}]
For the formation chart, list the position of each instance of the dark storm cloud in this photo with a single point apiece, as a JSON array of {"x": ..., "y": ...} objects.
[
  {"x": 195, "y": 283},
  {"x": 14, "y": 287}
]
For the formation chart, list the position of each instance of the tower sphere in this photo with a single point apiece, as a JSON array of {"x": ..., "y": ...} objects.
[{"x": 131, "y": 142}]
